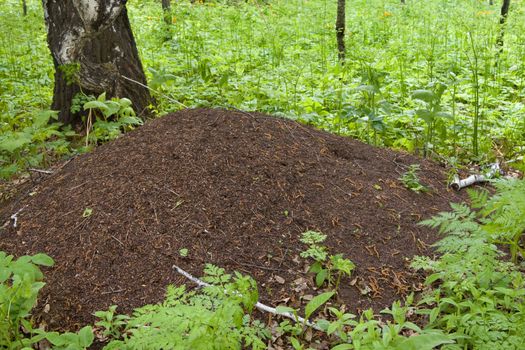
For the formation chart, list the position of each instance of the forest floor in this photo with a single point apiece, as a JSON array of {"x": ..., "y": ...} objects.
[{"x": 236, "y": 190}]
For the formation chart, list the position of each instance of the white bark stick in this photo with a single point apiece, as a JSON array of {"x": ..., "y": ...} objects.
[
  {"x": 14, "y": 217},
  {"x": 458, "y": 184},
  {"x": 258, "y": 305}
]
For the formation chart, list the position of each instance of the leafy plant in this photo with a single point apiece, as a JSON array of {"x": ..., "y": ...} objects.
[
  {"x": 108, "y": 118},
  {"x": 216, "y": 317},
  {"x": 477, "y": 295},
  {"x": 110, "y": 323},
  {"x": 411, "y": 180},
  {"x": 368, "y": 333},
  {"x": 71, "y": 341},
  {"x": 20, "y": 282},
  {"x": 432, "y": 113},
  {"x": 296, "y": 330},
  {"x": 324, "y": 265},
  {"x": 315, "y": 250},
  {"x": 503, "y": 215},
  {"x": 33, "y": 144}
]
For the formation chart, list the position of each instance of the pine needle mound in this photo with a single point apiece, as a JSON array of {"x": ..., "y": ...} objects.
[{"x": 229, "y": 188}]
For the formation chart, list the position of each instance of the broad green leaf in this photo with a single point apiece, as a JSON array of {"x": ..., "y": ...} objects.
[
  {"x": 295, "y": 343},
  {"x": 281, "y": 309},
  {"x": 113, "y": 108},
  {"x": 15, "y": 141},
  {"x": 96, "y": 105},
  {"x": 343, "y": 347},
  {"x": 424, "y": 95},
  {"x": 317, "y": 302},
  {"x": 42, "y": 259},
  {"x": 129, "y": 120},
  {"x": 55, "y": 338},
  {"x": 444, "y": 115},
  {"x": 42, "y": 118},
  {"x": 426, "y": 115},
  {"x": 425, "y": 341},
  {"x": 321, "y": 277},
  {"x": 323, "y": 324},
  {"x": 86, "y": 336},
  {"x": 125, "y": 102}
]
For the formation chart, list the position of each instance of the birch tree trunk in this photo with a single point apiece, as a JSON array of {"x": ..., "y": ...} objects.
[{"x": 93, "y": 51}]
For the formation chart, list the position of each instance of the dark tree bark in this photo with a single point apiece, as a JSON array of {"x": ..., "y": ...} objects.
[
  {"x": 24, "y": 7},
  {"x": 504, "y": 11},
  {"x": 166, "y": 9},
  {"x": 502, "y": 19},
  {"x": 93, "y": 51},
  {"x": 340, "y": 29}
]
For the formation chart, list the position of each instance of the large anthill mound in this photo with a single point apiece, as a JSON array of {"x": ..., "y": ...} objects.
[{"x": 236, "y": 190}]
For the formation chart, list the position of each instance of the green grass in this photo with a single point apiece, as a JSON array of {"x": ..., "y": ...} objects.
[{"x": 280, "y": 57}]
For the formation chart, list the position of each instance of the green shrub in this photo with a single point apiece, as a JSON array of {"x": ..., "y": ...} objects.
[
  {"x": 20, "y": 282},
  {"x": 477, "y": 294},
  {"x": 216, "y": 317}
]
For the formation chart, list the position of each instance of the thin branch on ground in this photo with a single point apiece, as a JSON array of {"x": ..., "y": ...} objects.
[{"x": 258, "y": 305}]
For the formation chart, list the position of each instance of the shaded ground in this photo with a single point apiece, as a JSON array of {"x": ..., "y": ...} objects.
[{"x": 236, "y": 190}]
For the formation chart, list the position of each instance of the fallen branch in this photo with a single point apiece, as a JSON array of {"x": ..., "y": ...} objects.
[
  {"x": 14, "y": 217},
  {"x": 47, "y": 172},
  {"x": 458, "y": 184},
  {"x": 258, "y": 305}
]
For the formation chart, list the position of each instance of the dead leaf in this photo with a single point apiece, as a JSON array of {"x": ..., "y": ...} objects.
[
  {"x": 279, "y": 279},
  {"x": 307, "y": 297}
]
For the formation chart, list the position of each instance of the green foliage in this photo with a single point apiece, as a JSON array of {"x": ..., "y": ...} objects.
[
  {"x": 34, "y": 144},
  {"x": 279, "y": 57},
  {"x": 71, "y": 341},
  {"x": 411, "y": 180},
  {"x": 20, "y": 282},
  {"x": 216, "y": 317},
  {"x": 70, "y": 72},
  {"x": 503, "y": 216},
  {"x": 432, "y": 114},
  {"x": 480, "y": 297},
  {"x": 296, "y": 330},
  {"x": 368, "y": 333},
  {"x": 109, "y": 118},
  {"x": 111, "y": 324},
  {"x": 315, "y": 250},
  {"x": 324, "y": 265}
]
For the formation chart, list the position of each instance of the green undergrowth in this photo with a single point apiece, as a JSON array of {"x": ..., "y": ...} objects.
[
  {"x": 474, "y": 298},
  {"x": 428, "y": 77}
]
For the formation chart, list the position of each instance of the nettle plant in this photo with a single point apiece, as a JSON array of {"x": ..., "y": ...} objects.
[
  {"x": 325, "y": 266},
  {"x": 107, "y": 119},
  {"x": 432, "y": 113}
]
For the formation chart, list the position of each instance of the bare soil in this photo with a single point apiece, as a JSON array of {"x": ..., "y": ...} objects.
[{"x": 235, "y": 189}]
